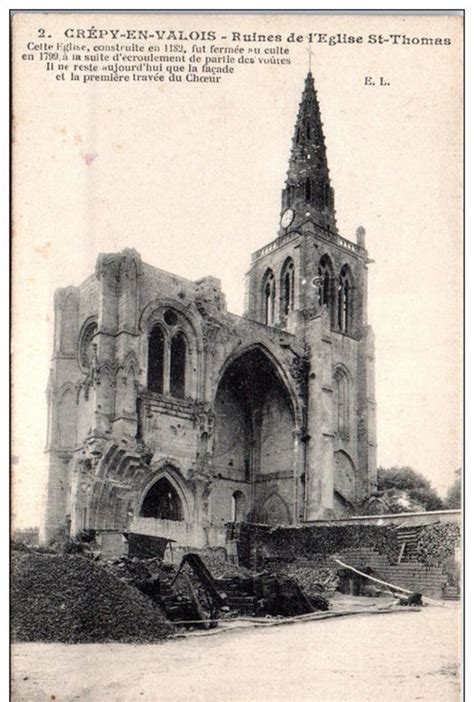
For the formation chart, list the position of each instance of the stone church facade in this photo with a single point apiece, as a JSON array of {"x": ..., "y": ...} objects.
[{"x": 168, "y": 415}]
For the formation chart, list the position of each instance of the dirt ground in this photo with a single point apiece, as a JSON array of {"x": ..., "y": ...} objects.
[{"x": 378, "y": 658}]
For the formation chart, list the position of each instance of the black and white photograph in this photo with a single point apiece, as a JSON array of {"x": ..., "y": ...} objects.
[{"x": 236, "y": 356}]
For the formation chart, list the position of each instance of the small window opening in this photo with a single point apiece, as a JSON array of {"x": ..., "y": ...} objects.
[
  {"x": 238, "y": 506},
  {"x": 288, "y": 289},
  {"x": 324, "y": 284},
  {"x": 269, "y": 299},
  {"x": 170, "y": 318},
  {"x": 344, "y": 301}
]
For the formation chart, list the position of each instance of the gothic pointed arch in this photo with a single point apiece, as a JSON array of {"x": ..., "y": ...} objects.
[
  {"x": 130, "y": 365},
  {"x": 87, "y": 343},
  {"x": 162, "y": 502},
  {"x": 326, "y": 283},
  {"x": 345, "y": 302},
  {"x": 287, "y": 287},
  {"x": 169, "y": 497},
  {"x": 284, "y": 377},
  {"x": 275, "y": 510},
  {"x": 268, "y": 297},
  {"x": 255, "y": 417},
  {"x": 171, "y": 349}
]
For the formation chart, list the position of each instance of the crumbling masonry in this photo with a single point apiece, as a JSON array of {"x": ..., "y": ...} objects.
[{"x": 170, "y": 416}]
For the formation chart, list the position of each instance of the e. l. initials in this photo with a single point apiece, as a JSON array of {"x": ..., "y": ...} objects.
[{"x": 368, "y": 80}]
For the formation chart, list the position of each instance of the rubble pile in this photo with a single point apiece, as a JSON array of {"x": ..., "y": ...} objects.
[
  {"x": 281, "y": 593},
  {"x": 221, "y": 568},
  {"x": 134, "y": 570},
  {"x": 270, "y": 594},
  {"x": 318, "y": 576},
  {"x": 180, "y": 599},
  {"x": 71, "y": 599}
]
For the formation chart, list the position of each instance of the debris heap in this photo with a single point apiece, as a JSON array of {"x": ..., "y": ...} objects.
[
  {"x": 70, "y": 599},
  {"x": 317, "y": 576}
]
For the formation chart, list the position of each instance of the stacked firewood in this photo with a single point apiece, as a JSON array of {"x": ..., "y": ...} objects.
[{"x": 437, "y": 543}]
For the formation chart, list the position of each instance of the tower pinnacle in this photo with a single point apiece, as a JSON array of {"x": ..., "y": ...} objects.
[{"x": 308, "y": 195}]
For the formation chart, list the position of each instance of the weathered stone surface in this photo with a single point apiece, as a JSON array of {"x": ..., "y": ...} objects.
[{"x": 269, "y": 416}]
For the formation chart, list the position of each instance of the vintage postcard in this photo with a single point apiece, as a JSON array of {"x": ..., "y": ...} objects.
[{"x": 237, "y": 289}]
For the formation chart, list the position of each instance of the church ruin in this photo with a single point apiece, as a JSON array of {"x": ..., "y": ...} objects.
[{"x": 172, "y": 417}]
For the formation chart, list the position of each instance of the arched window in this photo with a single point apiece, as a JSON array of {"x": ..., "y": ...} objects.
[
  {"x": 162, "y": 502},
  {"x": 344, "y": 300},
  {"x": 325, "y": 282},
  {"x": 178, "y": 365},
  {"x": 341, "y": 388},
  {"x": 156, "y": 358},
  {"x": 86, "y": 349},
  {"x": 275, "y": 511},
  {"x": 238, "y": 507},
  {"x": 308, "y": 190},
  {"x": 287, "y": 287},
  {"x": 269, "y": 297},
  {"x": 307, "y": 125}
]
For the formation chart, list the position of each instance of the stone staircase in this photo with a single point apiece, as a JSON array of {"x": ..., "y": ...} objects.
[
  {"x": 411, "y": 575},
  {"x": 407, "y": 540}
]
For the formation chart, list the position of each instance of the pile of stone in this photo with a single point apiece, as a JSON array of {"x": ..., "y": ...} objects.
[
  {"x": 269, "y": 594},
  {"x": 318, "y": 576},
  {"x": 134, "y": 570},
  {"x": 71, "y": 599},
  {"x": 220, "y": 568}
]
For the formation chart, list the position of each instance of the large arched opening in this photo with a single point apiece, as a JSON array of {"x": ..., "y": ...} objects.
[
  {"x": 162, "y": 502},
  {"x": 255, "y": 419}
]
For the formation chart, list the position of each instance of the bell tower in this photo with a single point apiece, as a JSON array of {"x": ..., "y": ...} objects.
[
  {"x": 310, "y": 284},
  {"x": 290, "y": 274}
]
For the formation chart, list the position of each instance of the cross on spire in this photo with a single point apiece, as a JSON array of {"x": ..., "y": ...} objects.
[{"x": 310, "y": 53}]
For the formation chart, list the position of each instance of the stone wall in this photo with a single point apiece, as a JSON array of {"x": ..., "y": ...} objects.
[
  {"x": 251, "y": 421},
  {"x": 428, "y": 567}
]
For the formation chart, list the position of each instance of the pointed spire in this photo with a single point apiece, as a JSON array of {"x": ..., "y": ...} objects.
[{"x": 308, "y": 192}]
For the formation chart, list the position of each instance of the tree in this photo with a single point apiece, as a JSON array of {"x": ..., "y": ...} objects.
[
  {"x": 407, "y": 490},
  {"x": 453, "y": 498}
]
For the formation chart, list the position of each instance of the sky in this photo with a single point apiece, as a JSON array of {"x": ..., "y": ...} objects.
[{"x": 190, "y": 175}]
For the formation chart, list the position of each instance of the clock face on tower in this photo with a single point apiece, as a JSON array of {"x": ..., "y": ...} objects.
[{"x": 287, "y": 218}]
